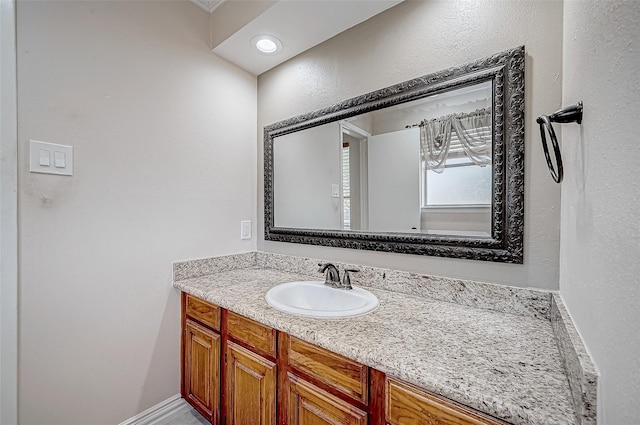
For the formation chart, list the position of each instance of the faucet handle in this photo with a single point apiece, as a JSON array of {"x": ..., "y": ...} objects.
[{"x": 346, "y": 280}]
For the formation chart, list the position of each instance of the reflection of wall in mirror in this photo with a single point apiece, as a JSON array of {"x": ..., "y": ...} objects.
[
  {"x": 472, "y": 221},
  {"x": 306, "y": 165},
  {"x": 379, "y": 185},
  {"x": 464, "y": 100}
]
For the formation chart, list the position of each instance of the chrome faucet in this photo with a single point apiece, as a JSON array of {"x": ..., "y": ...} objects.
[{"x": 332, "y": 276}]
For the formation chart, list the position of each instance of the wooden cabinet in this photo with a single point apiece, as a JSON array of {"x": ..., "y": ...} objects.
[
  {"x": 201, "y": 370},
  {"x": 203, "y": 312},
  {"x": 406, "y": 404},
  {"x": 343, "y": 374},
  {"x": 259, "y": 338},
  {"x": 250, "y": 387},
  {"x": 236, "y": 371},
  {"x": 309, "y": 405}
]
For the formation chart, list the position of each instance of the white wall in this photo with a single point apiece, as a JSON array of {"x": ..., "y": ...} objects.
[
  {"x": 600, "y": 239},
  {"x": 417, "y": 38},
  {"x": 308, "y": 163},
  {"x": 165, "y": 168},
  {"x": 8, "y": 217}
]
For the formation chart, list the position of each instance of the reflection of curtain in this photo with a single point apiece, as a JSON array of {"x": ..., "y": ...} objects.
[{"x": 472, "y": 138}]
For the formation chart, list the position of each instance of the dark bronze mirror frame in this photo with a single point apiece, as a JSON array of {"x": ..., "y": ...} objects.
[{"x": 506, "y": 71}]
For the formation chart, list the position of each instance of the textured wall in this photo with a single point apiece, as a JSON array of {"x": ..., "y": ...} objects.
[
  {"x": 417, "y": 38},
  {"x": 165, "y": 168},
  {"x": 600, "y": 238}
]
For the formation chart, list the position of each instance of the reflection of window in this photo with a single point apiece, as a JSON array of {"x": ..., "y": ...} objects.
[
  {"x": 456, "y": 160},
  {"x": 461, "y": 183},
  {"x": 456, "y": 135},
  {"x": 346, "y": 188}
]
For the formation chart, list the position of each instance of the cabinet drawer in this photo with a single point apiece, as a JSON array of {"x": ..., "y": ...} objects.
[
  {"x": 341, "y": 373},
  {"x": 207, "y": 314},
  {"x": 406, "y": 405},
  {"x": 257, "y": 336}
]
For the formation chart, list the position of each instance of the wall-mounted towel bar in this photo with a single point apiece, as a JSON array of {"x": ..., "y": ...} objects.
[{"x": 565, "y": 115}]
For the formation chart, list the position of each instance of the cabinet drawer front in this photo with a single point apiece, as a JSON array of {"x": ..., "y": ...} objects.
[
  {"x": 257, "y": 336},
  {"x": 204, "y": 312},
  {"x": 341, "y": 373},
  {"x": 310, "y": 405},
  {"x": 406, "y": 404}
]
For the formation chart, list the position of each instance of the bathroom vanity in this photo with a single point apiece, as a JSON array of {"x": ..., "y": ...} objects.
[
  {"x": 238, "y": 371},
  {"x": 413, "y": 360}
]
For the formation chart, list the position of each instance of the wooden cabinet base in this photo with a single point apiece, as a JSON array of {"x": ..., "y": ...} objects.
[{"x": 271, "y": 378}]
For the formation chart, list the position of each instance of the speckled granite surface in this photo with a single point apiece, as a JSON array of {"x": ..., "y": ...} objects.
[
  {"x": 506, "y": 365},
  {"x": 581, "y": 372},
  {"x": 205, "y": 266}
]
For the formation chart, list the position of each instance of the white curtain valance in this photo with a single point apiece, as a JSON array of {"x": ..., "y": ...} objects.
[{"x": 456, "y": 135}]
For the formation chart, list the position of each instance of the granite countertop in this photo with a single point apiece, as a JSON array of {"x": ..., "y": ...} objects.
[{"x": 503, "y": 364}]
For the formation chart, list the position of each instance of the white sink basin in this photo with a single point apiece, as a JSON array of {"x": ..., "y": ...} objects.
[{"x": 315, "y": 299}]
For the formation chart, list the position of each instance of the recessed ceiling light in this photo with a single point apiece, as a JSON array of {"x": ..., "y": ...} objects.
[{"x": 266, "y": 44}]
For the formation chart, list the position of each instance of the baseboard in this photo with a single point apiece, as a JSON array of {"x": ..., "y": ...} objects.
[{"x": 161, "y": 412}]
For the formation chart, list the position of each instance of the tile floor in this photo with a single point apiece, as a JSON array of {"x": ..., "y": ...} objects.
[{"x": 188, "y": 418}]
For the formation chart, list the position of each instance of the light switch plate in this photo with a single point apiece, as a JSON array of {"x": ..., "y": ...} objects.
[
  {"x": 335, "y": 190},
  {"x": 50, "y": 158},
  {"x": 245, "y": 230}
]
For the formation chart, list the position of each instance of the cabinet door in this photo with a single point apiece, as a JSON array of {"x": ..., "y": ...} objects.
[
  {"x": 309, "y": 405},
  {"x": 251, "y": 388},
  {"x": 202, "y": 370}
]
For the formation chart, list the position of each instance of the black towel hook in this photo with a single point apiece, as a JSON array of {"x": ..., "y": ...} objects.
[{"x": 564, "y": 115}]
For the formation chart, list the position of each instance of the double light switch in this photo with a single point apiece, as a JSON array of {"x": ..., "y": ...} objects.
[{"x": 50, "y": 158}]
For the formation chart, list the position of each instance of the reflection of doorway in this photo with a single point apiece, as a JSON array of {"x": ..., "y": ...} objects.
[
  {"x": 394, "y": 181},
  {"x": 354, "y": 177}
]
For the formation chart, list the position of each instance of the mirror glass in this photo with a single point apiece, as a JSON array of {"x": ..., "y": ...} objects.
[
  {"x": 417, "y": 167},
  {"x": 429, "y": 166}
]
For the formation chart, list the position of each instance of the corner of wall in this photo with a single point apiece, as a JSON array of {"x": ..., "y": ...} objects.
[
  {"x": 580, "y": 369},
  {"x": 8, "y": 217}
]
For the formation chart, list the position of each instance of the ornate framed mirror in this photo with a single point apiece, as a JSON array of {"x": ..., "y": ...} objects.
[{"x": 430, "y": 166}]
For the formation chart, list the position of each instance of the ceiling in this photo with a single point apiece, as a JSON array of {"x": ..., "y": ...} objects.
[
  {"x": 299, "y": 24},
  {"x": 208, "y": 5}
]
